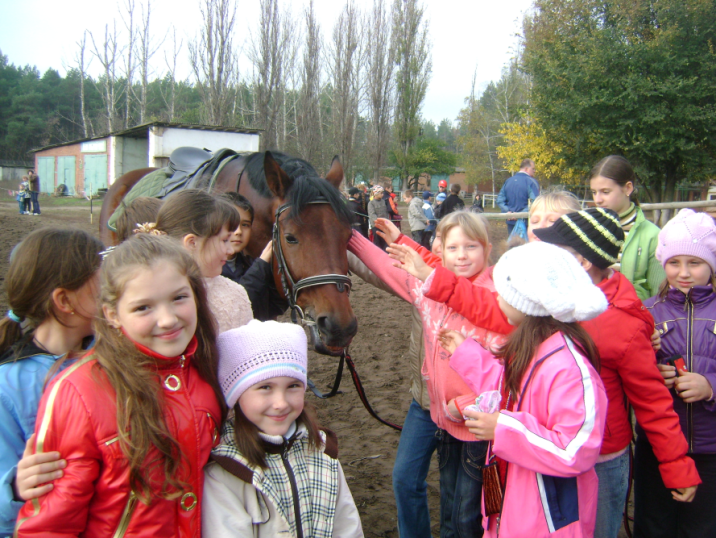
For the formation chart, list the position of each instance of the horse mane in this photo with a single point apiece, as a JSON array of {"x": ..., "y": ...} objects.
[{"x": 307, "y": 186}]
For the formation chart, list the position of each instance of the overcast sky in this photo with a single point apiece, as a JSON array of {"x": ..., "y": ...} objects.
[{"x": 466, "y": 35}]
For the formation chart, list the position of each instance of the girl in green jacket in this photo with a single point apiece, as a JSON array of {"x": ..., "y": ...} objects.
[{"x": 612, "y": 182}]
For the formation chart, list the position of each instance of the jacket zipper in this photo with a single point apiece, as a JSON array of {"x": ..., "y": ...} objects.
[
  {"x": 689, "y": 357},
  {"x": 294, "y": 490},
  {"x": 126, "y": 516}
]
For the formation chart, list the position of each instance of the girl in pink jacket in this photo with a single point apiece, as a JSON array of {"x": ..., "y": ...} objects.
[
  {"x": 545, "y": 435},
  {"x": 466, "y": 248}
]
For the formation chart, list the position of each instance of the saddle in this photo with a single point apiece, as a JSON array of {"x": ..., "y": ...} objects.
[{"x": 189, "y": 168}]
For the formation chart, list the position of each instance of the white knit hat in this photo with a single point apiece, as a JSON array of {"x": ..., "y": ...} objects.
[
  {"x": 540, "y": 279},
  {"x": 257, "y": 352}
]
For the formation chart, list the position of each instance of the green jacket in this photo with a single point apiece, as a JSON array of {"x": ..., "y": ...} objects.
[{"x": 639, "y": 263}]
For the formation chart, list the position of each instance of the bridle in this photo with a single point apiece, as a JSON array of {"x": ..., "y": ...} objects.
[{"x": 291, "y": 288}]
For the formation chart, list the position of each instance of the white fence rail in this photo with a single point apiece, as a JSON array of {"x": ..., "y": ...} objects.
[{"x": 644, "y": 207}]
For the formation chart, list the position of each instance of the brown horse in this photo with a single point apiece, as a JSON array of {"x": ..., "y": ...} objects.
[{"x": 312, "y": 229}]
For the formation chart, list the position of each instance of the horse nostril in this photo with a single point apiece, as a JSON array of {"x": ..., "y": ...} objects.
[{"x": 325, "y": 326}]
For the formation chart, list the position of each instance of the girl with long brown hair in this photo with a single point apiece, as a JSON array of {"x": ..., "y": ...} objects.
[
  {"x": 546, "y": 433},
  {"x": 204, "y": 224},
  {"x": 51, "y": 288},
  {"x": 136, "y": 417}
]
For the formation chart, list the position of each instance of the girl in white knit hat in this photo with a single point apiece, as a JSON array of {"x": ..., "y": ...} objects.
[
  {"x": 546, "y": 433},
  {"x": 275, "y": 473}
]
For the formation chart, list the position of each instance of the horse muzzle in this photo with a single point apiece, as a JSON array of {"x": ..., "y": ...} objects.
[{"x": 327, "y": 340}]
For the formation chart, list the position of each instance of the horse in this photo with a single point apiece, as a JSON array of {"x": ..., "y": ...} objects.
[{"x": 305, "y": 218}]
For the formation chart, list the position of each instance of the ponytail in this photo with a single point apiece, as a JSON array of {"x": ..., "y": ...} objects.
[{"x": 10, "y": 332}]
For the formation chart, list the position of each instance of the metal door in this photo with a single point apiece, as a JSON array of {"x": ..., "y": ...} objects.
[
  {"x": 46, "y": 171},
  {"x": 95, "y": 173},
  {"x": 66, "y": 172}
]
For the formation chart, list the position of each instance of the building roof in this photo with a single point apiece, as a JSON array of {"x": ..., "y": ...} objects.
[{"x": 142, "y": 131}]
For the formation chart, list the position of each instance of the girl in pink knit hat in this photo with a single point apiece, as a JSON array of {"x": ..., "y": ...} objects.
[
  {"x": 685, "y": 315},
  {"x": 275, "y": 473}
]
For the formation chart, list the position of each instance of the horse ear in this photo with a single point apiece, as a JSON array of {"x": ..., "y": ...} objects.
[
  {"x": 278, "y": 181},
  {"x": 335, "y": 174}
]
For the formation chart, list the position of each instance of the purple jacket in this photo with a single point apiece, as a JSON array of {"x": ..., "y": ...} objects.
[{"x": 687, "y": 325}]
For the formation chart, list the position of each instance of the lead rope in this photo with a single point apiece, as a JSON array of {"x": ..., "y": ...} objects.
[{"x": 346, "y": 358}]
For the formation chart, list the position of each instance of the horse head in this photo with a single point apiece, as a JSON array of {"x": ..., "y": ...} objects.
[{"x": 311, "y": 230}]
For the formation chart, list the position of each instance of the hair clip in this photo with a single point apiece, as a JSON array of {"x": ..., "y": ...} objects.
[
  {"x": 106, "y": 252},
  {"x": 148, "y": 228},
  {"x": 14, "y": 317}
]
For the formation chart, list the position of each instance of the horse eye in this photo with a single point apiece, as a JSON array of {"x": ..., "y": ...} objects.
[{"x": 291, "y": 239}]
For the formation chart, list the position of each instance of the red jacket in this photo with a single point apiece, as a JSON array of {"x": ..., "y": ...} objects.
[
  {"x": 622, "y": 335},
  {"x": 78, "y": 418}
]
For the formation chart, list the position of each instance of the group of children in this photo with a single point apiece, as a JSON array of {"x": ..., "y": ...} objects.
[{"x": 177, "y": 414}]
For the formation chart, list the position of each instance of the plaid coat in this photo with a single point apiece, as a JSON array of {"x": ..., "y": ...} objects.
[{"x": 243, "y": 500}]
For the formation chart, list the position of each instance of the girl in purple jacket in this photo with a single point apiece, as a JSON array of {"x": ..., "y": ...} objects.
[{"x": 685, "y": 315}]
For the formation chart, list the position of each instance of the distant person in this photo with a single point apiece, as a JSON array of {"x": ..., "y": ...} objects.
[
  {"x": 442, "y": 186},
  {"x": 517, "y": 192},
  {"x": 25, "y": 193},
  {"x": 360, "y": 220},
  {"x": 432, "y": 221},
  {"x": 438, "y": 207},
  {"x": 34, "y": 191},
  {"x": 416, "y": 218},
  {"x": 476, "y": 206},
  {"x": 377, "y": 209},
  {"x": 453, "y": 202}
]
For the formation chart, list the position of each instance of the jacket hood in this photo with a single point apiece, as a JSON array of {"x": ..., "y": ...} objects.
[{"x": 621, "y": 294}]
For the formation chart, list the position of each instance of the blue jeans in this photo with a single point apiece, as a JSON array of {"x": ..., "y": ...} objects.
[
  {"x": 461, "y": 464},
  {"x": 412, "y": 462},
  {"x": 613, "y": 484},
  {"x": 35, "y": 202}
]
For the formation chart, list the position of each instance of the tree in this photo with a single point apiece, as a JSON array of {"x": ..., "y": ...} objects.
[
  {"x": 632, "y": 78},
  {"x": 147, "y": 49},
  {"x": 271, "y": 50},
  {"x": 410, "y": 41},
  {"x": 528, "y": 139},
  {"x": 309, "y": 126},
  {"x": 82, "y": 70},
  {"x": 345, "y": 69},
  {"x": 430, "y": 156},
  {"x": 107, "y": 53},
  {"x": 380, "y": 74},
  {"x": 213, "y": 59}
]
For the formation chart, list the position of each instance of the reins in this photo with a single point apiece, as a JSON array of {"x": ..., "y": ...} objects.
[{"x": 291, "y": 288}]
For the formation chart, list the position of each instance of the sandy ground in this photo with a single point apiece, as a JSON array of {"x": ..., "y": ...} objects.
[{"x": 367, "y": 448}]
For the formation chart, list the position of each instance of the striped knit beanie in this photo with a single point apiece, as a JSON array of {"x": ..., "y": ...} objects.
[
  {"x": 594, "y": 233},
  {"x": 259, "y": 351}
]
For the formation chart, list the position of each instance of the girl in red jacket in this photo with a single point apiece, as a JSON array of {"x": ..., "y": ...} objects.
[{"x": 137, "y": 417}]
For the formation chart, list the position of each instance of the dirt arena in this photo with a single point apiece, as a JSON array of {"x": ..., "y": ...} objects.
[{"x": 367, "y": 448}]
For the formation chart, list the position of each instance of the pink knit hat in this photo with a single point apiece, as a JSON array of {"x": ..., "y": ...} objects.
[
  {"x": 688, "y": 234},
  {"x": 257, "y": 352}
]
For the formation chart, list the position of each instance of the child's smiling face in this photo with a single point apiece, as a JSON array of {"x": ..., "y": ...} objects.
[{"x": 274, "y": 404}]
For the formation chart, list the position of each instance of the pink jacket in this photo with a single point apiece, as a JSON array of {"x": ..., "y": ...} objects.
[
  {"x": 443, "y": 383},
  {"x": 551, "y": 439}
]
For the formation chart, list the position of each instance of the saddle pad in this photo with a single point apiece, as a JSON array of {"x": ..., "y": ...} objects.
[{"x": 150, "y": 185}]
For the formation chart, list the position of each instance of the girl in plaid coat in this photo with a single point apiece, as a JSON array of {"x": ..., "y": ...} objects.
[{"x": 275, "y": 472}]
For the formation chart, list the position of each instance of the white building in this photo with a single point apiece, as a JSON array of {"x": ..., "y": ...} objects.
[{"x": 94, "y": 163}]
